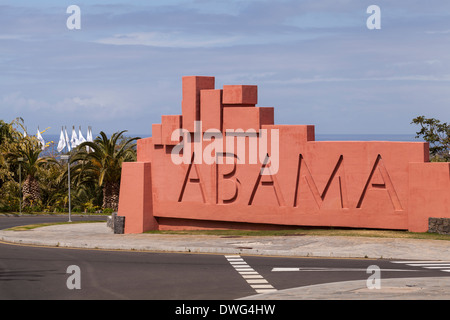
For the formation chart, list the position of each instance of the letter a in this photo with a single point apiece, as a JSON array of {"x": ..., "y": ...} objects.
[
  {"x": 374, "y": 281},
  {"x": 268, "y": 179},
  {"x": 192, "y": 176},
  {"x": 379, "y": 178},
  {"x": 74, "y": 21},
  {"x": 374, "y": 21},
  {"x": 74, "y": 281}
]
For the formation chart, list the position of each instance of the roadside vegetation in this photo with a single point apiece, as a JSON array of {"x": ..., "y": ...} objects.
[
  {"x": 41, "y": 185},
  {"x": 311, "y": 231}
]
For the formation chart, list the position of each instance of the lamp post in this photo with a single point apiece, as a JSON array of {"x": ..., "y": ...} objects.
[
  {"x": 67, "y": 157},
  {"x": 20, "y": 184}
]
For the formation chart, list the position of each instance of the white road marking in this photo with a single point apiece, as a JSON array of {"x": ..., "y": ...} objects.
[
  {"x": 332, "y": 269},
  {"x": 265, "y": 290},
  {"x": 245, "y": 270},
  {"x": 257, "y": 281},
  {"x": 427, "y": 264},
  {"x": 421, "y": 261},
  {"x": 253, "y": 278},
  {"x": 436, "y": 264},
  {"x": 285, "y": 269},
  {"x": 262, "y": 286},
  {"x": 248, "y": 272}
]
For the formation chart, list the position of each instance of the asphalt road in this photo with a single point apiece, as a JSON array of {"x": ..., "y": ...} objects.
[
  {"x": 13, "y": 221},
  {"x": 36, "y": 273}
]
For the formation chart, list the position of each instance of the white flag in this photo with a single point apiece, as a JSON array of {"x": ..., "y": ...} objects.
[
  {"x": 67, "y": 139},
  {"x": 74, "y": 140},
  {"x": 89, "y": 134},
  {"x": 38, "y": 135},
  {"x": 89, "y": 138},
  {"x": 62, "y": 141},
  {"x": 81, "y": 139}
]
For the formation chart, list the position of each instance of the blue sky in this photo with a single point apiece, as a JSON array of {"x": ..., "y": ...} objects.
[{"x": 315, "y": 61}]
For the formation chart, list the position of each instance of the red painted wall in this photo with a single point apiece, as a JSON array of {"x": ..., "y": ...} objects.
[{"x": 388, "y": 185}]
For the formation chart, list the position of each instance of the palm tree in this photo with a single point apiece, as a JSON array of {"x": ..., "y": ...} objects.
[
  {"x": 104, "y": 164},
  {"x": 29, "y": 148}
]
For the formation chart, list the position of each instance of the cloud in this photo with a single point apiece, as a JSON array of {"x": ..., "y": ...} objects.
[
  {"x": 315, "y": 61},
  {"x": 102, "y": 105},
  {"x": 170, "y": 39},
  {"x": 418, "y": 78},
  {"x": 18, "y": 102},
  {"x": 438, "y": 32}
]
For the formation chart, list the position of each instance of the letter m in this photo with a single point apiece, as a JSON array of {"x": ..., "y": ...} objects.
[{"x": 304, "y": 176}]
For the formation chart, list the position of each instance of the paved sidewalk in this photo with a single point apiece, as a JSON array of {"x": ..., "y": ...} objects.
[
  {"x": 437, "y": 288},
  {"x": 99, "y": 236}
]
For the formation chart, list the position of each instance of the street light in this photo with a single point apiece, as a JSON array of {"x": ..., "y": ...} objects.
[
  {"x": 67, "y": 157},
  {"x": 20, "y": 184}
]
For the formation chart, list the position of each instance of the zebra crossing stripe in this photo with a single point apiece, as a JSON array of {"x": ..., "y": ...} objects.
[{"x": 252, "y": 277}]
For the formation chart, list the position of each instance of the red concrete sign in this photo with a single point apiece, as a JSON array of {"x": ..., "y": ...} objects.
[{"x": 223, "y": 163}]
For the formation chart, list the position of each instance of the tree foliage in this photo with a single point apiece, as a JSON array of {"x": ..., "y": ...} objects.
[
  {"x": 27, "y": 150},
  {"x": 104, "y": 164},
  {"x": 95, "y": 174},
  {"x": 437, "y": 133}
]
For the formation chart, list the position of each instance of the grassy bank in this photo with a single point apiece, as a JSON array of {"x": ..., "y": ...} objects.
[
  {"x": 312, "y": 232},
  {"x": 39, "y": 225}
]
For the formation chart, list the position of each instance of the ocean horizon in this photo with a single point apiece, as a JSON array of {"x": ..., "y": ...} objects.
[
  {"x": 368, "y": 137},
  {"x": 319, "y": 137}
]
